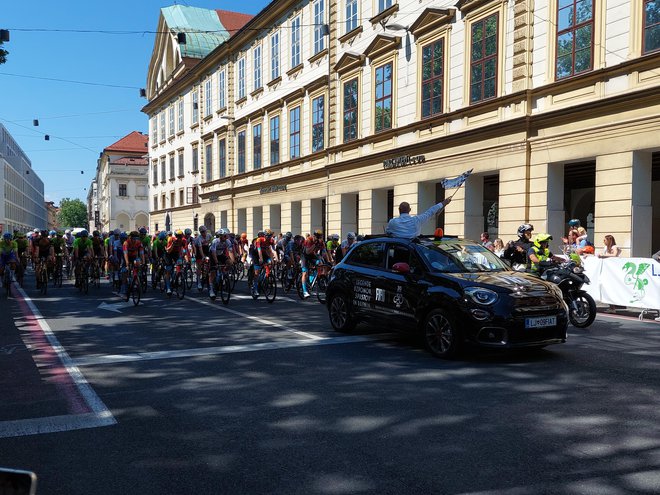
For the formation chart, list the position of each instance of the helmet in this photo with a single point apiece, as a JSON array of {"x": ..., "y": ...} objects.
[
  {"x": 142, "y": 231},
  {"x": 350, "y": 235},
  {"x": 84, "y": 233},
  {"x": 67, "y": 231},
  {"x": 318, "y": 233},
  {"x": 219, "y": 232},
  {"x": 525, "y": 227},
  {"x": 202, "y": 228},
  {"x": 298, "y": 238},
  {"x": 574, "y": 222},
  {"x": 179, "y": 233},
  {"x": 36, "y": 231},
  {"x": 123, "y": 236},
  {"x": 334, "y": 237},
  {"x": 44, "y": 233},
  {"x": 261, "y": 233},
  {"x": 21, "y": 235},
  {"x": 188, "y": 232},
  {"x": 359, "y": 238},
  {"x": 539, "y": 238},
  {"x": 288, "y": 236},
  {"x": 162, "y": 236},
  {"x": 116, "y": 232},
  {"x": 52, "y": 232},
  {"x": 7, "y": 235},
  {"x": 134, "y": 234},
  {"x": 59, "y": 233},
  {"x": 96, "y": 233},
  {"x": 588, "y": 250}
]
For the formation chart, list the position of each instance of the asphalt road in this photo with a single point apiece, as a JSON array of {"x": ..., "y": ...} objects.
[{"x": 182, "y": 397}]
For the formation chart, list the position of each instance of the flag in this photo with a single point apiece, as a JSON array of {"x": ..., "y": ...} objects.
[{"x": 457, "y": 181}]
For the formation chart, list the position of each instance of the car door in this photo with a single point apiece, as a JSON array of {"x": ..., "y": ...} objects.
[
  {"x": 402, "y": 292},
  {"x": 366, "y": 263}
]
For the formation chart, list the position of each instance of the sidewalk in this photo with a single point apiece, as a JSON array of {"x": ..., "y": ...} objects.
[{"x": 647, "y": 314}]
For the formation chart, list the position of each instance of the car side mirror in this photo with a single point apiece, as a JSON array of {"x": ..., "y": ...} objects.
[{"x": 401, "y": 267}]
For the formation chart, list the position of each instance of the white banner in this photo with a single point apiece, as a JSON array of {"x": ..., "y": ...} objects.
[{"x": 631, "y": 282}]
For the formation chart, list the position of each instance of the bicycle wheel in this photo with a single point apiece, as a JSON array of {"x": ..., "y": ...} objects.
[
  {"x": 129, "y": 288},
  {"x": 299, "y": 286},
  {"x": 179, "y": 285},
  {"x": 7, "y": 282},
  {"x": 225, "y": 289},
  {"x": 189, "y": 276},
  {"x": 321, "y": 288},
  {"x": 58, "y": 277},
  {"x": 43, "y": 279},
  {"x": 84, "y": 281},
  {"x": 67, "y": 267},
  {"x": 136, "y": 291},
  {"x": 270, "y": 287}
]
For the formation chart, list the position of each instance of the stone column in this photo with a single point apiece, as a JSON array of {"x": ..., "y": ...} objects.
[{"x": 306, "y": 216}]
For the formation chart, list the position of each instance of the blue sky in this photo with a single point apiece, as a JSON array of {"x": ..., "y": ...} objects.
[{"x": 80, "y": 119}]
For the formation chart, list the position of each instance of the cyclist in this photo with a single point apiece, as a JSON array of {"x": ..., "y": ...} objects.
[
  {"x": 146, "y": 243},
  {"x": 201, "y": 250},
  {"x": 8, "y": 254},
  {"x": 281, "y": 245},
  {"x": 43, "y": 251},
  {"x": 313, "y": 250},
  {"x": 59, "y": 247},
  {"x": 293, "y": 250},
  {"x": 68, "y": 238},
  {"x": 23, "y": 245},
  {"x": 174, "y": 250},
  {"x": 221, "y": 253},
  {"x": 97, "y": 246},
  {"x": 332, "y": 245},
  {"x": 133, "y": 250},
  {"x": 263, "y": 252},
  {"x": 243, "y": 246},
  {"x": 82, "y": 250}
]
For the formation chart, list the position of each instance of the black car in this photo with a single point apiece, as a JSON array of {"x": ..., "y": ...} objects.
[{"x": 454, "y": 291}]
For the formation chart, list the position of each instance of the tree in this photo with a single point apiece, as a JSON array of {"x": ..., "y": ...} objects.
[
  {"x": 73, "y": 213},
  {"x": 3, "y": 54}
]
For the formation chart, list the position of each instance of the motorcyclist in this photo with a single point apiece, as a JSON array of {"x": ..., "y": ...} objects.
[
  {"x": 516, "y": 251},
  {"x": 540, "y": 253}
]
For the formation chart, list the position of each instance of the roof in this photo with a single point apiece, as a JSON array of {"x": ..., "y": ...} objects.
[
  {"x": 233, "y": 21},
  {"x": 128, "y": 160},
  {"x": 135, "y": 142}
]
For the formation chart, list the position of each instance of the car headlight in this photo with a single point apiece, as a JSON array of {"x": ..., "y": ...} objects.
[{"x": 482, "y": 296}]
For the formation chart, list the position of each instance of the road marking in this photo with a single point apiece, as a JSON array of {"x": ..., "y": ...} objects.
[
  {"x": 229, "y": 349},
  {"x": 255, "y": 318},
  {"x": 99, "y": 415}
]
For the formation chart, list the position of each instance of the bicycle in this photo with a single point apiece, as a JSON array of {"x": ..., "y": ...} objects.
[
  {"x": 222, "y": 283},
  {"x": 291, "y": 277},
  {"x": 203, "y": 278},
  {"x": 188, "y": 274},
  {"x": 317, "y": 281},
  {"x": 95, "y": 273},
  {"x": 266, "y": 283},
  {"x": 42, "y": 276},
  {"x": 67, "y": 266},
  {"x": 134, "y": 284},
  {"x": 57, "y": 271},
  {"x": 178, "y": 284},
  {"x": 7, "y": 279},
  {"x": 158, "y": 275},
  {"x": 144, "y": 276}
]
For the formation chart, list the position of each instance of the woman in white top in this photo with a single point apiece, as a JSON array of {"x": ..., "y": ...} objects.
[
  {"x": 611, "y": 250},
  {"x": 498, "y": 247}
]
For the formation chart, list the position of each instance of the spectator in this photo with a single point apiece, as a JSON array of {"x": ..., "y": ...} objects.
[
  {"x": 611, "y": 250},
  {"x": 408, "y": 226},
  {"x": 485, "y": 241},
  {"x": 498, "y": 247}
]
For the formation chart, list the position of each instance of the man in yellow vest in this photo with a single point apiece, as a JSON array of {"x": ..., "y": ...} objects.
[{"x": 540, "y": 252}]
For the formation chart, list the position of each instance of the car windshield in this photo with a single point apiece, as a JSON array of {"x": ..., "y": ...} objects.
[{"x": 455, "y": 257}]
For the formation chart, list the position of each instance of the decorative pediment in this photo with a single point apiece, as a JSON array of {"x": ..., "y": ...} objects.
[
  {"x": 430, "y": 20},
  {"x": 467, "y": 6},
  {"x": 382, "y": 44},
  {"x": 349, "y": 61}
]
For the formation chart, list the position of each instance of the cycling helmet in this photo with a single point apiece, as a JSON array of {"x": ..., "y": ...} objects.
[
  {"x": 525, "y": 227},
  {"x": 7, "y": 235},
  {"x": 318, "y": 233},
  {"x": 59, "y": 233},
  {"x": 202, "y": 228},
  {"x": 350, "y": 235},
  {"x": 288, "y": 236},
  {"x": 84, "y": 233},
  {"x": 123, "y": 236},
  {"x": 359, "y": 238},
  {"x": 219, "y": 232},
  {"x": 142, "y": 231},
  {"x": 20, "y": 235},
  {"x": 116, "y": 232},
  {"x": 52, "y": 232},
  {"x": 96, "y": 233},
  {"x": 67, "y": 231},
  {"x": 134, "y": 234},
  {"x": 44, "y": 233},
  {"x": 162, "y": 236},
  {"x": 261, "y": 233},
  {"x": 298, "y": 238},
  {"x": 179, "y": 233},
  {"x": 187, "y": 232},
  {"x": 36, "y": 231},
  {"x": 574, "y": 222},
  {"x": 334, "y": 237},
  {"x": 539, "y": 238}
]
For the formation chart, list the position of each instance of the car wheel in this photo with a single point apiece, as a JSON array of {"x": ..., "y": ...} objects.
[
  {"x": 340, "y": 313},
  {"x": 441, "y": 336}
]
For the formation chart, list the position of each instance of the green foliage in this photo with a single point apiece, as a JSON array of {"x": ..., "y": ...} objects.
[
  {"x": 73, "y": 213},
  {"x": 3, "y": 54}
]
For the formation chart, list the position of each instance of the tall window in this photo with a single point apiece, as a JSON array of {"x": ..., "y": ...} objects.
[
  {"x": 351, "y": 15},
  {"x": 180, "y": 157},
  {"x": 195, "y": 160},
  {"x": 208, "y": 156},
  {"x": 195, "y": 107},
  {"x": 319, "y": 26},
  {"x": 170, "y": 115},
  {"x": 575, "y": 37},
  {"x": 208, "y": 98},
  {"x": 275, "y": 140},
  {"x": 318, "y": 122},
  {"x": 295, "y": 42},
  {"x": 180, "y": 116},
  {"x": 651, "y": 26},
  {"x": 154, "y": 171},
  {"x": 222, "y": 157},
  {"x": 384, "y": 4},
  {"x": 483, "y": 60},
  {"x": 221, "y": 89},
  {"x": 241, "y": 152},
  {"x": 171, "y": 158},
  {"x": 256, "y": 146},
  {"x": 154, "y": 130},
  {"x": 432, "y": 78},
  {"x": 162, "y": 170},
  {"x": 294, "y": 132},
  {"x": 256, "y": 61},
  {"x": 383, "y": 101},
  {"x": 241, "y": 78},
  {"x": 122, "y": 190},
  {"x": 350, "y": 110},
  {"x": 275, "y": 55},
  {"x": 162, "y": 125}
]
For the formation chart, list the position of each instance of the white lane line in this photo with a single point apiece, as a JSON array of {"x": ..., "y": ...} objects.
[
  {"x": 229, "y": 349},
  {"x": 100, "y": 415},
  {"x": 254, "y": 318}
]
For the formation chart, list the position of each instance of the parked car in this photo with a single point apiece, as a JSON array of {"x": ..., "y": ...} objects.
[{"x": 453, "y": 291}]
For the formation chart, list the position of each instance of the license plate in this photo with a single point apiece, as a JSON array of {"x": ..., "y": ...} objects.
[{"x": 541, "y": 322}]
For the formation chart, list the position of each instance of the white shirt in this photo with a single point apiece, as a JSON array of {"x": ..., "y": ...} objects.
[{"x": 408, "y": 226}]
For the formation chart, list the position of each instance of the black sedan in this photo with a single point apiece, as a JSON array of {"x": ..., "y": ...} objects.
[{"x": 454, "y": 291}]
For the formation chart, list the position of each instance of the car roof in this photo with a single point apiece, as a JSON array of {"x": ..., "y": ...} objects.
[{"x": 424, "y": 240}]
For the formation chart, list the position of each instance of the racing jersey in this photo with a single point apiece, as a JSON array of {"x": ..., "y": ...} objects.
[
  {"x": 157, "y": 247},
  {"x": 133, "y": 247},
  {"x": 146, "y": 242},
  {"x": 176, "y": 247},
  {"x": 6, "y": 248},
  {"x": 58, "y": 244},
  {"x": 313, "y": 246},
  {"x": 43, "y": 246},
  {"x": 220, "y": 247},
  {"x": 203, "y": 242},
  {"x": 69, "y": 240},
  {"x": 97, "y": 243},
  {"x": 292, "y": 248},
  {"x": 22, "y": 245},
  {"x": 82, "y": 245}
]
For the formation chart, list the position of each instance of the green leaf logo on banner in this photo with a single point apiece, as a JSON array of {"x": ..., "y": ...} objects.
[{"x": 634, "y": 276}]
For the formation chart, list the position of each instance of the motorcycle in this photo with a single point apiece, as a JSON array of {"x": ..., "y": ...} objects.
[{"x": 570, "y": 278}]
